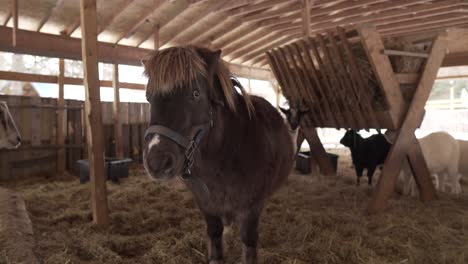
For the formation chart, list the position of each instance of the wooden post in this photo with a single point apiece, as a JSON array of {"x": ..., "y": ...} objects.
[
  {"x": 116, "y": 114},
  {"x": 276, "y": 87},
  {"x": 156, "y": 37},
  {"x": 402, "y": 145},
  {"x": 14, "y": 13},
  {"x": 61, "y": 120},
  {"x": 93, "y": 112},
  {"x": 317, "y": 151}
]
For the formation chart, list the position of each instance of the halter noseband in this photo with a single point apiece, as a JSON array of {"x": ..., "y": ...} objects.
[{"x": 189, "y": 145}]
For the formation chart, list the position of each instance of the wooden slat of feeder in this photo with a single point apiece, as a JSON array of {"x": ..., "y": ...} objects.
[
  {"x": 304, "y": 91},
  {"x": 351, "y": 123},
  {"x": 358, "y": 79},
  {"x": 293, "y": 78},
  {"x": 402, "y": 145},
  {"x": 309, "y": 83},
  {"x": 300, "y": 88},
  {"x": 292, "y": 87},
  {"x": 276, "y": 73},
  {"x": 405, "y": 53},
  {"x": 407, "y": 78},
  {"x": 280, "y": 75},
  {"x": 382, "y": 68},
  {"x": 289, "y": 84},
  {"x": 318, "y": 85},
  {"x": 329, "y": 94},
  {"x": 343, "y": 74}
]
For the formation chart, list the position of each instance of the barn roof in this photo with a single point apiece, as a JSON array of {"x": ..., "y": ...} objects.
[{"x": 243, "y": 29}]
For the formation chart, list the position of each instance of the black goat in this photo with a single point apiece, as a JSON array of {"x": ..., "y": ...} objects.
[{"x": 367, "y": 153}]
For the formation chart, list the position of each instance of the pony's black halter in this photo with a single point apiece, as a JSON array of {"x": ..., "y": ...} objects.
[{"x": 190, "y": 145}]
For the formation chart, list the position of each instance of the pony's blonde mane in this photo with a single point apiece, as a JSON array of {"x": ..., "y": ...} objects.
[{"x": 178, "y": 67}]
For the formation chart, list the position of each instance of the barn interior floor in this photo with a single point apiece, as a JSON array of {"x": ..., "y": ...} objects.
[{"x": 309, "y": 220}]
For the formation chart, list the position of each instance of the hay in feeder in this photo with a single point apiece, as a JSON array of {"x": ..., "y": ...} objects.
[{"x": 400, "y": 64}]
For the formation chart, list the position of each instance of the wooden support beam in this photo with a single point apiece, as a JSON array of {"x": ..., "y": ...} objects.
[
  {"x": 116, "y": 113},
  {"x": 317, "y": 151},
  {"x": 421, "y": 173},
  {"x": 61, "y": 119},
  {"x": 29, "y": 77},
  {"x": 69, "y": 48},
  {"x": 400, "y": 148},
  {"x": 14, "y": 13},
  {"x": 94, "y": 129},
  {"x": 373, "y": 45}
]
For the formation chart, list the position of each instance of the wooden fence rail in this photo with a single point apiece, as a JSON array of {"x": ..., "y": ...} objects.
[{"x": 36, "y": 119}]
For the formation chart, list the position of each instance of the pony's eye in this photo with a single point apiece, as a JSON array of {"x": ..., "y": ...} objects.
[{"x": 196, "y": 94}]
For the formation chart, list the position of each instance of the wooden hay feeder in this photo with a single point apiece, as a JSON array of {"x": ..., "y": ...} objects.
[{"x": 346, "y": 80}]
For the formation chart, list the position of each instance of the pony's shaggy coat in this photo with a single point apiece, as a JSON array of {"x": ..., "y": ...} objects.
[{"x": 244, "y": 155}]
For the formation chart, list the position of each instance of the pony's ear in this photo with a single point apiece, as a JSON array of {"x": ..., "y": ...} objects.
[
  {"x": 284, "y": 110},
  {"x": 212, "y": 59}
]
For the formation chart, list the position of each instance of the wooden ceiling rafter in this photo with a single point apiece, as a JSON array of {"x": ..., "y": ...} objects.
[
  {"x": 261, "y": 6},
  {"x": 103, "y": 26},
  {"x": 7, "y": 19},
  {"x": 380, "y": 14},
  {"x": 216, "y": 31},
  {"x": 144, "y": 19},
  {"x": 259, "y": 51},
  {"x": 249, "y": 47},
  {"x": 278, "y": 12},
  {"x": 194, "y": 22},
  {"x": 49, "y": 13},
  {"x": 403, "y": 17}
]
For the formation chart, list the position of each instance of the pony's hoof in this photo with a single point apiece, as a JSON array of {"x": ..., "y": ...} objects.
[{"x": 217, "y": 261}]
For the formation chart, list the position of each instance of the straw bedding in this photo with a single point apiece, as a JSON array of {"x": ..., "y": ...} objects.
[{"x": 307, "y": 221}]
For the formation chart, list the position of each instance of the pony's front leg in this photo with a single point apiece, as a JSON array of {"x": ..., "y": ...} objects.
[
  {"x": 249, "y": 235},
  {"x": 214, "y": 228}
]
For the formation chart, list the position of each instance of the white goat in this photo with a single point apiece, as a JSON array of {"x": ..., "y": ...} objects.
[
  {"x": 463, "y": 160},
  {"x": 9, "y": 135},
  {"x": 441, "y": 152},
  {"x": 293, "y": 121}
]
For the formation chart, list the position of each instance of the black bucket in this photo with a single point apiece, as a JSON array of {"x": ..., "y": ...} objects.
[
  {"x": 114, "y": 168},
  {"x": 303, "y": 161}
]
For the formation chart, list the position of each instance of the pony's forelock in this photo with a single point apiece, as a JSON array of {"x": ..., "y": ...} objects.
[{"x": 179, "y": 67}]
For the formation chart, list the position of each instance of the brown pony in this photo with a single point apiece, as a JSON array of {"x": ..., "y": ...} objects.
[{"x": 232, "y": 150}]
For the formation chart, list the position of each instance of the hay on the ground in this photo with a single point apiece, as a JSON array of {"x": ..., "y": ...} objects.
[{"x": 307, "y": 221}]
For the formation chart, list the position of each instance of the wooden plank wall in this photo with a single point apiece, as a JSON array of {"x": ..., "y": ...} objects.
[{"x": 36, "y": 119}]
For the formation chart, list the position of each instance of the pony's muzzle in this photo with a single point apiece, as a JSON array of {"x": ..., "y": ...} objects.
[{"x": 161, "y": 165}]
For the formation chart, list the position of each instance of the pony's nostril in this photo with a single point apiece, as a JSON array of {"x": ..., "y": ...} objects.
[
  {"x": 168, "y": 163},
  {"x": 162, "y": 163},
  {"x": 18, "y": 139}
]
